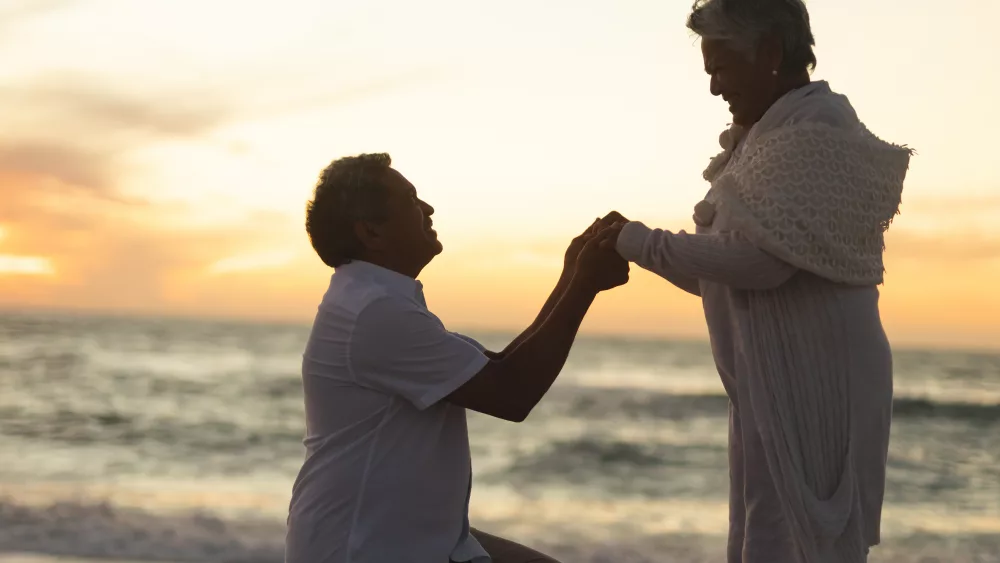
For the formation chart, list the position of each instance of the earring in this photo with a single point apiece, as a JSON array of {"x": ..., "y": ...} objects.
[{"x": 774, "y": 72}]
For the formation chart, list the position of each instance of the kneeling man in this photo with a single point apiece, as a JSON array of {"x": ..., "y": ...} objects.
[{"x": 387, "y": 475}]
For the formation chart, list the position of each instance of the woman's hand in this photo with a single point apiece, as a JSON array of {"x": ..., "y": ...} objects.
[
  {"x": 609, "y": 235},
  {"x": 612, "y": 218}
]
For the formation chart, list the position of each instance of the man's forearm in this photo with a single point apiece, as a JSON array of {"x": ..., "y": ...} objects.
[
  {"x": 543, "y": 314},
  {"x": 532, "y": 366}
]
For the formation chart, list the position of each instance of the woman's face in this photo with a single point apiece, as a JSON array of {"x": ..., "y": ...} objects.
[{"x": 748, "y": 87}]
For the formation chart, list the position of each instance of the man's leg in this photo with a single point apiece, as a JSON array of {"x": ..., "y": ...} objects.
[{"x": 506, "y": 551}]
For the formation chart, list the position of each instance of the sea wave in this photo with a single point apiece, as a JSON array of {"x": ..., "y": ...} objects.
[
  {"x": 643, "y": 403},
  {"x": 278, "y": 435},
  {"x": 612, "y": 466},
  {"x": 218, "y": 434},
  {"x": 103, "y": 531},
  {"x": 647, "y": 469},
  {"x": 106, "y": 532}
]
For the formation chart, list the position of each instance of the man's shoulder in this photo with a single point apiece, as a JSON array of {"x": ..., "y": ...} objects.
[
  {"x": 353, "y": 314},
  {"x": 366, "y": 311},
  {"x": 356, "y": 294}
]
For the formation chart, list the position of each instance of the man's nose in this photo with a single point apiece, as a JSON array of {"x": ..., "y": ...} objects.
[
  {"x": 428, "y": 210},
  {"x": 713, "y": 87}
]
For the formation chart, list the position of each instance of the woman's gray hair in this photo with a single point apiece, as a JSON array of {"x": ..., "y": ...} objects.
[{"x": 744, "y": 22}]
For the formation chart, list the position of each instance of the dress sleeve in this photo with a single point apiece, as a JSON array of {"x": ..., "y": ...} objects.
[{"x": 727, "y": 257}]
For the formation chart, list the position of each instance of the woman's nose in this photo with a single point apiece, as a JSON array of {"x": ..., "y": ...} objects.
[{"x": 713, "y": 86}]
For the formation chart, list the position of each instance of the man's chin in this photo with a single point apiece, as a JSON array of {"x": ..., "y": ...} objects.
[
  {"x": 433, "y": 248},
  {"x": 432, "y": 239}
]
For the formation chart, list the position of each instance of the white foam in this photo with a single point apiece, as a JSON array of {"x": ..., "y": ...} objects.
[
  {"x": 72, "y": 532},
  {"x": 104, "y": 531}
]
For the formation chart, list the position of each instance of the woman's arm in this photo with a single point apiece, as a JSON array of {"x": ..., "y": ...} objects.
[
  {"x": 687, "y": 283},
  {"x": 727, "y": 258}
]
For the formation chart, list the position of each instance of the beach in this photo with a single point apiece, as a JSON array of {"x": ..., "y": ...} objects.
[{"x": 162, "y": 439}]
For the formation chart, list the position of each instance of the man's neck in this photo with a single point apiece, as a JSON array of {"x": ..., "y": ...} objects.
[{"x": 398, "y": 266}]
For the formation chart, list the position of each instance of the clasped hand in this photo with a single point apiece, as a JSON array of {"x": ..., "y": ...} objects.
[{"x": 592, "y": 256}]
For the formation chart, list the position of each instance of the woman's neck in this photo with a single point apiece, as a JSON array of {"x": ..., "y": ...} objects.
[{"x": 790, "y": 83}]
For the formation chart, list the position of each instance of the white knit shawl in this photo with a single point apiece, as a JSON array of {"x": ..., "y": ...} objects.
[{"x": 812, "y": 186}]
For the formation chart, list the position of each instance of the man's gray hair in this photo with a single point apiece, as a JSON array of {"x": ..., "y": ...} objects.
[{"x": 743, "y": 23}]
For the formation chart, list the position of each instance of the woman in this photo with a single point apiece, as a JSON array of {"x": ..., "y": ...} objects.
[{"x": 787, "y": 258}]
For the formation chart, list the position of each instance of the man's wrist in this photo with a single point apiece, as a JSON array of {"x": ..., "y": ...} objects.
[
  {"x": 581, "y": 286},
  {"x": 566, "y": 277}
]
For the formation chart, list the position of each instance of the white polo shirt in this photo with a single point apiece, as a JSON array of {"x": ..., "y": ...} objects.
[{"x": 387, "y": 473}]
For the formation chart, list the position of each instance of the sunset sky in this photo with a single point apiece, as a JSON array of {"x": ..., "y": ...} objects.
[{"x": 156, "y": 155}]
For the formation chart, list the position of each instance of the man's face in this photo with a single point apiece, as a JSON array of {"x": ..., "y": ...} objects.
[
  {"x": 747, "y": 86},
  {"x": 406, "y": 233}
]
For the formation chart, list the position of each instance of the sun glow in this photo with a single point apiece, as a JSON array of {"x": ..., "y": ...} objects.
[
  {"x": 25, "y": 265},
  {"x": 142, "y": 173}
]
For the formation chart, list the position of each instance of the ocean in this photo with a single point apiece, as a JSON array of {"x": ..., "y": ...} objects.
[{"x": 126, "y": 439}]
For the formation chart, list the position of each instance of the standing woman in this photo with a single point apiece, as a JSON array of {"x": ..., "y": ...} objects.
[{"x": 787, "y": 258}]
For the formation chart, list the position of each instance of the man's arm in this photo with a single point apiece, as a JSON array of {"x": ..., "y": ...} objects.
[
  {"x": 509, "y": 387},
  {"x": 569, "y": 266},
  {"x": 557, "y": 293}
]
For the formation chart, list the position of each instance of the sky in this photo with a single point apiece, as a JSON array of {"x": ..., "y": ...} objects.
[{"x": 156, "y": 156}]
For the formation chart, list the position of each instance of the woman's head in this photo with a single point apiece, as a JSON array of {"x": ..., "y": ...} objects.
[{"x": 755, "y": 51}]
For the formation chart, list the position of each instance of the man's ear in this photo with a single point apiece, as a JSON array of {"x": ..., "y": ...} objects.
[{"x": 369, "y": 234}]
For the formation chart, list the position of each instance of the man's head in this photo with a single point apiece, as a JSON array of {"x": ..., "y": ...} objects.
[
  {"x": 754, "y": 51},
  {"x": 362, "y": 209}
]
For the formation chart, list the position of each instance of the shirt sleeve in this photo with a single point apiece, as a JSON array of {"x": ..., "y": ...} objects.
[
  {"x": 726, "y": 257},
  {"x": 402, "y": 349},
  {"x": 471, "y": 340}
]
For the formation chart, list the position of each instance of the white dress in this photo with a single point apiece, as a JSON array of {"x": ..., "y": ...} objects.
[{"x": 803, "y": 358}]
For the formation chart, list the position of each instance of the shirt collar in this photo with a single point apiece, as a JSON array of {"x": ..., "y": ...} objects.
[{"x": 394, "y": 281}]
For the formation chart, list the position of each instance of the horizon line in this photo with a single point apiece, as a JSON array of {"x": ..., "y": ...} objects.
[{"x": 912, "y": 346}]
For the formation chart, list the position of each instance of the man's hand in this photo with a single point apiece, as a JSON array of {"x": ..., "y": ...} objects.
[
  {"x": 599, "y": 265},
  {"x": 569, "y": 261}
]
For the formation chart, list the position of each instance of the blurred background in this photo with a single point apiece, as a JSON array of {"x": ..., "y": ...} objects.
[{"x": 157, "y": 285}]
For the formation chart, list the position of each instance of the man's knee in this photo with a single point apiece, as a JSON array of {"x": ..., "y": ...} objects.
[{"x": 506, "y": 551}]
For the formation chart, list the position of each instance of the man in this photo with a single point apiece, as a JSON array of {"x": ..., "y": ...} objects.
[{"x": 387, "y": 475}]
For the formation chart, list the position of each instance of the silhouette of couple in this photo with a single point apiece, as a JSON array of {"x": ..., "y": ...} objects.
[{"x": 786, "y": 258}]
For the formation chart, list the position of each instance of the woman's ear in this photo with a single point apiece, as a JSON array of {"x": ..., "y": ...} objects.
[{"x": 771, "y": 53}]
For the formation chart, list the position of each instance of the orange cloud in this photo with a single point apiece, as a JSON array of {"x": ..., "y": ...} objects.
[
  {"x": 109, "y": 254},
  {"x": 124, "y": 256},
  {"x": 64, "y": 167},
  {"x": 64, "y": 162}
]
